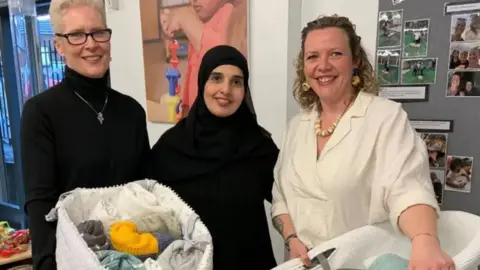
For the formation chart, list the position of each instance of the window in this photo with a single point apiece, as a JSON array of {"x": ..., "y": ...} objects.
[{"x": 13, "y": 93}]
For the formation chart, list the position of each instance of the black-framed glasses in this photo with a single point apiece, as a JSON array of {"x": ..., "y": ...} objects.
[{"x": 79, "y": 38}]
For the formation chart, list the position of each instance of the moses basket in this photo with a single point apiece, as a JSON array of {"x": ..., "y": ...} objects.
[
  {"x": 459, "y": 235},
  {"x": 75, "y": 206}
]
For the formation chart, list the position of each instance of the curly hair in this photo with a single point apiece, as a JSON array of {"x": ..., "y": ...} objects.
[{"x": 368, "y": 82}]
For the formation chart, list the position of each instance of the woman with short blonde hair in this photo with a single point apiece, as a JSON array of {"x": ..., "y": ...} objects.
[{"x": 80, "y": 132}]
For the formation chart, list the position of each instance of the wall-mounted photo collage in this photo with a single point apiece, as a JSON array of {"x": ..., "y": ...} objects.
[
  {"x": 437, "y": 159},
  {"x": 402, "y": 57},
  {"x": 463, "y": 78},
  {"x": 447, "y": 172}
]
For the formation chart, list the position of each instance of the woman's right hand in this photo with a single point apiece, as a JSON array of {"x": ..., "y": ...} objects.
[
  {"x": 299, "y": 250},
  {"x": 170, "y": 22}
]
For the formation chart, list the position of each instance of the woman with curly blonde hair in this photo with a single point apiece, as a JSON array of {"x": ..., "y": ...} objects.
[{"x": 350, "y": 158}]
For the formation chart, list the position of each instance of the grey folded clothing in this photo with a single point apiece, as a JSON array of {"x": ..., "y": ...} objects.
[
  {"x": 93, "y": 234},
  {"x": 182, "y": 255},
  {"x": 186, "y": 253}
]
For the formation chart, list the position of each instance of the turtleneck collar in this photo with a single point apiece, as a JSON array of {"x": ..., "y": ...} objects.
[{"x": 92, "y": 89}]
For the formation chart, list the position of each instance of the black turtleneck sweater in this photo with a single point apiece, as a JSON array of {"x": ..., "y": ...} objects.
[{"x": 64, "y": 146}]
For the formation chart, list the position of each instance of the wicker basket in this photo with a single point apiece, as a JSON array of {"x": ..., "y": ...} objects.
[{"x": 74, "y": 207}]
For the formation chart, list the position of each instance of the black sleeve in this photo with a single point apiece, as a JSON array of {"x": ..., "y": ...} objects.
[
  {"x": 144, "y": 146},
  {"x": 38, "y": 169},
  {"x": 270, "y": 162}
]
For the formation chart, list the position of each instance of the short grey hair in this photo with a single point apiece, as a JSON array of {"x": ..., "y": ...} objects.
[{"x": 59, "y": 7}]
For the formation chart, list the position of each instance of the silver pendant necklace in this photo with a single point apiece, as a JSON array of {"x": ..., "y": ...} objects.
[{"x": 99, "y": 114}]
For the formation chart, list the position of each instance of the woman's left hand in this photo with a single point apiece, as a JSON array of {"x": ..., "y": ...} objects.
[{"x": 427, "y": 255}]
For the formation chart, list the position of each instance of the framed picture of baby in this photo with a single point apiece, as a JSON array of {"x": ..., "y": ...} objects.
[
  {"x": 437, "y": 147},
  {"x": 176, "y": 34},
  {"x": 459, "y": 173}
]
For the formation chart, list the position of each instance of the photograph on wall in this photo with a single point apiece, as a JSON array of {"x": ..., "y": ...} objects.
[
  {"x": 459, "y": 173},
  {"x": 464, "y": 84},
  {"x": 396, "y": 2},
  {"x": 419, "y": 71},
  {"x": 415, "y": 38},
  {"x": 437, "y": 148},
  {"x": 390, "y": 25},
  {"x": 388, "y": 66},
  {"x": 464, "y": 56},
  {"x": 176, "y": 34},
  {"x": 438, "y": 182},
  {"x": 465, "y": 27}
]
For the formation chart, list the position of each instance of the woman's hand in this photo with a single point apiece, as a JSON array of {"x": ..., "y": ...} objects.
[
  {"x": 427, "y": 255},
  {"x": 170, "y": 22},
  {"x": 173, "y": 20},
  {"x": 299, "y": 250}
]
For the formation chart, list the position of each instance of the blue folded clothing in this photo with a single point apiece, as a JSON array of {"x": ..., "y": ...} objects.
[{"x": 389, "y": 262}]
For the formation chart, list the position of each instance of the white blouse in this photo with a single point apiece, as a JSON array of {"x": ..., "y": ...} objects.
[{"x": 373, "y": 167}]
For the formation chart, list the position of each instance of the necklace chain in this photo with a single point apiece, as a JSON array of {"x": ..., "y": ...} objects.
[
  {"x": 329, "y": 131},
  {"x": 100, "y": 113}
]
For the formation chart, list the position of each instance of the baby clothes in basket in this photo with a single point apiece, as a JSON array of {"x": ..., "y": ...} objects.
[
  {"x": 181, "y": 254},
  {"x": 133, "y": 202},
  {"x": 153, "y": 208}
]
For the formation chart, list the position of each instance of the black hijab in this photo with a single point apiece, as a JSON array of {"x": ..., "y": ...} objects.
[{"x": 202, "y": 142}]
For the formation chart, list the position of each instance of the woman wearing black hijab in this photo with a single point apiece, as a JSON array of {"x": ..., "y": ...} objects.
[{"x": 220, "y": 161}]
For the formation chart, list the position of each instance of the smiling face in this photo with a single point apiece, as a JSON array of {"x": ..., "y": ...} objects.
[
  {"x": 328, "y": 63},
  {"x": 92, "y": 58},
  {"x": 455, "y": 82},
  {"x": 224, "y": 90},
  {"x": 205, "y": 9},
  {"x": 460, "y": 26},
  {"x": 468, "y": 86}
]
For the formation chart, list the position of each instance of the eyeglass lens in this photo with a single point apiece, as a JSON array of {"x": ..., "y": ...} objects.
[{"x": 80, "y": 38}]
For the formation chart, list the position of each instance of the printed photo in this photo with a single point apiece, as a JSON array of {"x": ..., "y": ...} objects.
[
  {"x": 459, "y": 173},
  {"x": 396, "y": 2},
  {"x": 173, "y": 48},
  {"x": 415, "y": 38},
  {"x": 390, "y": 28},
  {"x": 437, "y": 147},
  {"x": 464, "y": 55},
  {"x": 419, "y": 71},
  {"x": 463, "y": 84},
  {"x": 438, "y": 182},
  {"x": 465, "y": 27},
  {"x": 388, "y": 66}
]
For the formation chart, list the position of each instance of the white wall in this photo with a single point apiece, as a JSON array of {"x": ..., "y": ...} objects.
[
  {"x": 274, "y": 42},
  {"x": 363, "y": 13}
]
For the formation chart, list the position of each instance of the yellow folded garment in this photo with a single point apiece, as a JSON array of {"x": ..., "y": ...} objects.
[{"x": 125, "y": 238}]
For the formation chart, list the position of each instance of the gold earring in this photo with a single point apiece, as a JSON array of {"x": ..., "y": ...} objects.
[
  {"x": 355, "y": 80},
  {"x": 306, "y": 86}
]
